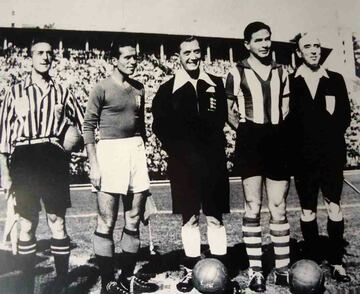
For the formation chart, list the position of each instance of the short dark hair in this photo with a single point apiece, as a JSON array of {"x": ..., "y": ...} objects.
[
  {"x": 188, "y": 39},
  {"x": 253, "y": 28},
  {"x": 40, "y": 39},
  {"x": 116, "y": 45}
]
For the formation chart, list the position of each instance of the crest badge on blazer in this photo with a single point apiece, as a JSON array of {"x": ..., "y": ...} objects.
[{"x": 330, "y": 103}]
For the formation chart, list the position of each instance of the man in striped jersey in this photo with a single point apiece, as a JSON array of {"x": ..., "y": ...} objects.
[
  {"x": 258, "y": 89},
  {"x": 33, "y": 116}
]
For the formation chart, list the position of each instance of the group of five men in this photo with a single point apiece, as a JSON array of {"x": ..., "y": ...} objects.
[{"x": 268, "y": 109}]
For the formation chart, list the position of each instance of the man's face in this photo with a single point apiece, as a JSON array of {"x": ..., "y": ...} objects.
[
  {"x": 126, "y": 63},
  {"x": 310, "y": 51},
  {"x": 190, "y": 55},
  {"x": 259, "y": 44},
  {"x": 42, "y": 57}
]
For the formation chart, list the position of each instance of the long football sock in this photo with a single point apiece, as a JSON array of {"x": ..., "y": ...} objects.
[
  {"x": 130, "y": 245},
  {"x": 26, "y": 257},
  {"x": 190, "y": 237},
  {"x": 336, "y": 232},
  {"x": 217, "y": 240},
  {"x": 310, "y": 232},
  {"x": 252, "y": 238},
  {"x": 280, "y": 236},
  {"x": 104, "y": 253},
  {"x": 60, "y": 248}
]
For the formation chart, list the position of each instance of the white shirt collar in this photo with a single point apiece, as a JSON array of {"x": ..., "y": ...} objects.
[
  {"x": 182, "y": 77},
  {"x": 305, "y": 71}
]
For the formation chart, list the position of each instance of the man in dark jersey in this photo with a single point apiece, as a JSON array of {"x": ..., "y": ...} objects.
[
  {"x": 118, "y": 168},
  {"x": 258, "y": 89},
  {"x": 189, "y": 116},
  {"x": 319, "y": 115},
  {"x": 34, "y": 166}
]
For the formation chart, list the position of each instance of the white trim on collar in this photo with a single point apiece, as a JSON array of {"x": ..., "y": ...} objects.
[
  {"x": 182, "y": 77},
  {"x": 304, "y": 71}
]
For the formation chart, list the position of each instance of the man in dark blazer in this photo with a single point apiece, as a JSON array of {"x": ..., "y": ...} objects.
[
  {"x": 319, "y": 115},
  {"x": 190, "y": 111}
]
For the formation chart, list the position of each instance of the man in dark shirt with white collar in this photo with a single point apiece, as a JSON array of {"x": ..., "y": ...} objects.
[
  {"x": 319, "y": 116},
  {"x": 118, "y": 167},
  {"x": 190, "y": 111}
]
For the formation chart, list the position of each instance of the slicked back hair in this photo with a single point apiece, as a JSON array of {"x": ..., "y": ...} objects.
[{"x": 253, "y": 28}]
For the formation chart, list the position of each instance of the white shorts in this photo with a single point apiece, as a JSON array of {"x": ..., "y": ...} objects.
[{"x": 123, "y": 167}]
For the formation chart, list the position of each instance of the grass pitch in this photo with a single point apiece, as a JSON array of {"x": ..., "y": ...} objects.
[{"x": 165, "y": 231}]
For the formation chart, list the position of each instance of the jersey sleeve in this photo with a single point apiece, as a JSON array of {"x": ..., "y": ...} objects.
[{"x": 92, "y": 114}]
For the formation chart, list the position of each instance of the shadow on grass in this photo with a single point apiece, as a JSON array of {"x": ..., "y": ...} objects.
[{"x": 81, "y": 280}]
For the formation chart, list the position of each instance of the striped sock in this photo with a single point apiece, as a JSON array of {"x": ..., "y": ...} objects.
[
  {"x": 252, "y": 238},
  {"x": 60, "y": 248},
  {"x": 280, "y": 236},
  {"x": 26, "y": 257}
]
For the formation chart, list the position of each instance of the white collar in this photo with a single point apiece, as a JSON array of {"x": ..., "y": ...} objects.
[
  {"x": 182, "y": 77},
  {"x": 305, "y": 71}
]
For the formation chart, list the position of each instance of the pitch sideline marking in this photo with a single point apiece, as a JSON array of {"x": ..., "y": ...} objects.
[{"x": 163, "y": 212}]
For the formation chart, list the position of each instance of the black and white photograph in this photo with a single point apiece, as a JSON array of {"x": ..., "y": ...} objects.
[{"x": 167, "y": 146}]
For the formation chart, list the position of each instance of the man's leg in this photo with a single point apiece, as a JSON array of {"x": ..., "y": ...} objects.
[
  {"x": 217, "y": 240},
  {"x": 108, "y": 206},
  {"x": 279, "y": 227},
  {"x": 252, "y": 231},
  {"x": 130, "y": 242},
  {"x": 60, "y": 248},
  {"x": 307, "y": 187},
  {"x": 332, "y": 183},
  {"x": 27, "y": 253},
  {"x": 191, "y": 240}
]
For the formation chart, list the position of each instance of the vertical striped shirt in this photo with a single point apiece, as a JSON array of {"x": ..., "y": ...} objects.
[
  {"x": 260, "y": 101},
  {"x": 27, "y": 112}
]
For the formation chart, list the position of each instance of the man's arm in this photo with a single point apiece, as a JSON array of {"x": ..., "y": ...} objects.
[
  {"x": 232, "y": 79},
  {"x": 91, "y": 120},
  {"x": 343, "y": 112},
  {"x": 95, "y": 175},
  {"x": 5, "y": 173},
  {"x": 74, "y": 111}
]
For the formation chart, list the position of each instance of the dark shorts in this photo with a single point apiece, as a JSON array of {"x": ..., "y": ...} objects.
[
  {"x": 308, "y": 183},
  {"x": 260, "y": 150},
  {"x": 40, "y": 171},
  {"x": 199, "y": 180}
]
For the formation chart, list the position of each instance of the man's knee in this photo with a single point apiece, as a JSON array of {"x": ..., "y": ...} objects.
[
  {"x": 57, "y": 225},
  {"x": 252, "y": 208},
  {"x": 334, "y": 211},
  {"x": 308, "y": 215},
  {"x": 213, "y": 221},
  {"x": 191, "y": 221},
  {"x": 27, "y": 228},
  {"x": 278, "y": 210}
]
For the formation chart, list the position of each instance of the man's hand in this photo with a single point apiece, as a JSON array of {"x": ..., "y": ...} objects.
[
  {"x": 6, "y": 184},
  {"x": 6, "y": 181},
  {"x": 95, "y": 176}
]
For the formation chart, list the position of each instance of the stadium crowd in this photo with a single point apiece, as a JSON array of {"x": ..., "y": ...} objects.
[{"x": 80, "y": 70}]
